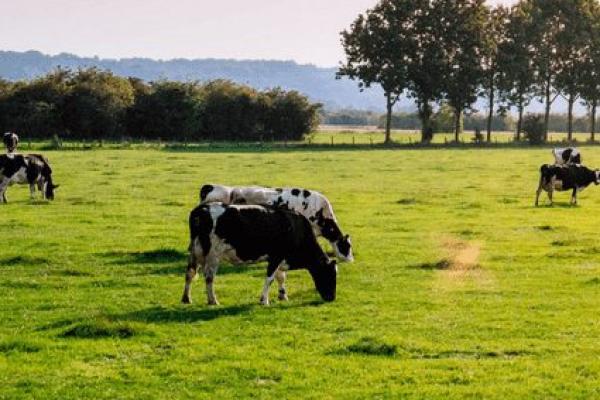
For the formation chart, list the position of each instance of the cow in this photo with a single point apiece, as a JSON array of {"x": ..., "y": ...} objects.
[
  {"x": 313, "y": 205},
  {"x": 32, "y": 169},
  {"x": 565, "y": 177},
  {"x": 566, "y": 156},
  {"x": 11, "y": 141},
  {"x": 252, "y": 233}
]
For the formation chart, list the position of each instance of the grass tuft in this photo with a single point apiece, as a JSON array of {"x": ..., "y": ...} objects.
[
  {"x": 99, "y": 329},
  {"x": 18, "y": 346},
  {"x": 372, "y": 347}
]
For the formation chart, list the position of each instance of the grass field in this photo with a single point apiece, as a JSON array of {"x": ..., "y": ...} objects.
[{"x": 461, "y": 288}]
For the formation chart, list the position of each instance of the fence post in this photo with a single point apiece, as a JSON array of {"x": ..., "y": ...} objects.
[
  {"x": 353, "y": 142},
  {"x": 332, "y": 141}
]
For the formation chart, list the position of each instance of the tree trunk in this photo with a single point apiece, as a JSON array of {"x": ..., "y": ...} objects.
[
  {"x": 520, "y": 121},
  {"x": 593, "y": 122},
  {"x": 570, "y": 118},
  {"x": 425, "y": 116},
  {"x": 547, "y": 114},
  {"x": 388, "y": 119},
  {"x": 457, "y": 115},
  {"x": 491, "y": 113}
]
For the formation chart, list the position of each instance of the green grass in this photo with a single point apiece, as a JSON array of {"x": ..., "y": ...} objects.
[{"x": 461, "y": 288}]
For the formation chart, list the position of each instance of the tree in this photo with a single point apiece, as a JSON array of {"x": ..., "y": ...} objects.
[
  {"x": 494, "y": 37},
  {"x": 377, "y": 48},
  {"x": 96, "y": 103},
  {"x": 516, "y": 80},
  {"x": 463, "y": 24},
  {"x": 590, "y": 69},
  {"x": 426, "y": 67},
  {"x": 573, "y": 46},
  {"x": 167, "y": 110},
  {"x": 547, "y": 22}
]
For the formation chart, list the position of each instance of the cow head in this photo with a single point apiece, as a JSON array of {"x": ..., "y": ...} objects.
[
  {"x": 11, "y": 141},
  {"x": 325, "y": 278},
  {"x": 343, "y": 248},
  {"x": 50, "y": 187}
]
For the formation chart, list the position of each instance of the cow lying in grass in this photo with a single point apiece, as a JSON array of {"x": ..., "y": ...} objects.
[
  {"x": 313, "y": 205},
  {"x": 565, "y": 177},
  {"x": 32, "y": 169},
  {"x": 243, "y": 234},
  {"x": 566, "y": 156}
]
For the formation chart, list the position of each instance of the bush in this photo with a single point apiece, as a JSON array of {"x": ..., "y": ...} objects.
[{"x": 533, "y": 128}]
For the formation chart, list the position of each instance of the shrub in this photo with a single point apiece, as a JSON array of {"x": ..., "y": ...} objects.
[{"x": 533, "y": 128}]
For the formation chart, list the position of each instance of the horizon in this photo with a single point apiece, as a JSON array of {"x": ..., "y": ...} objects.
[{"x": 271, "y": 30}]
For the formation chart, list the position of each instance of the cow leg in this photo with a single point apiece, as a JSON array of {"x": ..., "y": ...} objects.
[
  {"x": 42, "y": 188},
  {"x": 271, "y": 272},
  {"x": 189, "y": 278},
  {"x": 280, "y": 276},
  {"x": 3, "y": 187},
  {"x": 210, "y": 270},
  {"x": 32, "y": 191},
  {"x": 574, "y": 197},
  {"x": 538, "y": 192}
]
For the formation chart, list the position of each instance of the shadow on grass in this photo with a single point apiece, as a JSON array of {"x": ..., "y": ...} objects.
[
  {"x": 431, "y": 266},
  {"x": 24, "y": 260},
  {"x": 184, "y": 314},
  {"x": 158, "y": 256}
]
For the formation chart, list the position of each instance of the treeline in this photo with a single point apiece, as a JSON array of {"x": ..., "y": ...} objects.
[
  {"x": 453, "y": 51},
  {"x": 442, "y": 121},
  {"x": 95, "y": 104}
]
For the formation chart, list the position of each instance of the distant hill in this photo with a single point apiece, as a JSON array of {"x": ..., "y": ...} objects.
[{"x": 318, "y": 83}]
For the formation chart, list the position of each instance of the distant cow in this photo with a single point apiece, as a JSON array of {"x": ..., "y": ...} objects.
[
  {"x": 242, "y": 234},
  {"x": 565, "y": 177},
  {"x": 313, "y": 205},
  {"x": 11, "y": 141},
  {"x": 32, "y": 169},
  {"x": 566, "y": 156}
]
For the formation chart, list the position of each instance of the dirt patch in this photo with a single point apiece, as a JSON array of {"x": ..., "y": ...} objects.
[{"x": 462, "y": 265}]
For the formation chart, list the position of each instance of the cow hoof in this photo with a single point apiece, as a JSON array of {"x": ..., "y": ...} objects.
[
  {"x": 264, "y": 301},
  {"x": 283, "y": 297},
  {"x": 186, "y": 300}
]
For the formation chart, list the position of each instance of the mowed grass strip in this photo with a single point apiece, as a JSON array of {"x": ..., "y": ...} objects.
[{"x": 461, "y": 288}]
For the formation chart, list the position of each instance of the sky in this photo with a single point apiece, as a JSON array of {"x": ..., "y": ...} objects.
[{"x": 306, "y": 31}]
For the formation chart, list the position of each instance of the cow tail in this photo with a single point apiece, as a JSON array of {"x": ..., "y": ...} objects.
[
  {"x": 200, "y": 223},
  {"x": 47, "y": 175}
]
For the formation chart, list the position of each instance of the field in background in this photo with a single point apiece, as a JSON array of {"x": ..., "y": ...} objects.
[{"x": 461, "y": 288}]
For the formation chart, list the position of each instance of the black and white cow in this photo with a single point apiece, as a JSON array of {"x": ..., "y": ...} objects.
[
  {"x": 313, "y": 205},
  {"x": 565, "y": 177},
  {"x": 566, "y": 156},
  {"x": 250, "y": 233},
  {"x": 11, "y": 141},
  {"x": 32, "y": 169}
]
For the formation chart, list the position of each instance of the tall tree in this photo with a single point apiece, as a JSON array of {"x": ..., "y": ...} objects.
[
  {"x": 517, "y": 78},
  {"x": 573, "y": 44},
  {"x": 494, "y": 38},
  {"x": 547, "y": 23},
  {"x": 463, "y": 24},
  {"x": 426, "y": 66},
  {"x": 377, "y": 49},
  {"x": 589, "y": 77}
]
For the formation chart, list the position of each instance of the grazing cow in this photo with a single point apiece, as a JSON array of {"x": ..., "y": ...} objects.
[
  {"x": 32, "y": 169},
  {"x": 566, "y": 156},
  {"x": 313, "y": 205},
  {"x": 11, "y": 141},
  {"x": 565, "y": 177},
  {"x": 243, "y": 233}
]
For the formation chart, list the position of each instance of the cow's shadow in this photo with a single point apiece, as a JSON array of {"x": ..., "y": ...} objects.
[{"x": 184, "y": 314}]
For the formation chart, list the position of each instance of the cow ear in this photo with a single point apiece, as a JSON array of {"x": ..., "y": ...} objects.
[
  {"x": 55, "y": 186},
  {"x": 346, "y": 237}
]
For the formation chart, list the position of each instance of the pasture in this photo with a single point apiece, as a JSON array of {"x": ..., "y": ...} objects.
[{"x": 460, "y": 288}]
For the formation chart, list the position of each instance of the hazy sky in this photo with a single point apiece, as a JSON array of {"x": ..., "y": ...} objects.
[{"x": 306, "y": 31}]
